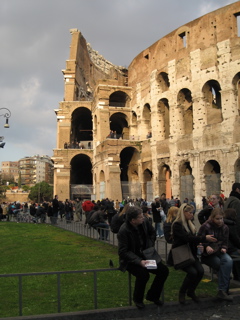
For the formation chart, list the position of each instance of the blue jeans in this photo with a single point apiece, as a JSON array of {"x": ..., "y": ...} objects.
[
  {"x": 103, "y": 230},
  {"x": 158, "y": 229},
  {"x": 222, "y": 263}
]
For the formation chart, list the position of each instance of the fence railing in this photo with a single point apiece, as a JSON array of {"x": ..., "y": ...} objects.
[
  {"x": 58, "y": 284},
  {"x": 82, "y": 229}
]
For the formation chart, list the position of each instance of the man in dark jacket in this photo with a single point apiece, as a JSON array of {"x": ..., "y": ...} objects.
[
  {"x": 135, "y": 235},
  {"x": 98, "y": 221},
  {"x": 156, "y": 208},
  {"x": 234, "y": 202}
]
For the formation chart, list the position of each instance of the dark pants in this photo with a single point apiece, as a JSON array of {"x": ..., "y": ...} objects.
[
  {"x": 142, "y": 276},
  {"x": 194, "y": 276}
]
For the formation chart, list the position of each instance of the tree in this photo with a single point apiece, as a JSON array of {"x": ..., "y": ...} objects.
[
  {"x": 41, "y": 191},
  {"x": 26, "y": 188}
]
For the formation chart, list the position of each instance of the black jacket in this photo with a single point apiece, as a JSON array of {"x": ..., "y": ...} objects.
[
  {"x": 204, "y": 214},
  {"x": 234, "y": 202},
  {"x": 128, "y": 247},
  {"x": 181, "y": 236},
  {"x": 156, "y": 213},
  {"x": 234, "y": 239}
]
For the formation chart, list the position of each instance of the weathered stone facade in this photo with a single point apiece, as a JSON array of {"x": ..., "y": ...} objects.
[{"x": 184, "y": 90}]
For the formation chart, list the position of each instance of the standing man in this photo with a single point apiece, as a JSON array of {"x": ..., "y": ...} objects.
[
  {"x": 55, "y": 209},
  {"x": 78, "y": 210},
  {"x": 135, "y": 235},
  {"x": 156, "y": 208},
  {"x": 87, "y": 206},
  {"x": 234, "y": 202}
]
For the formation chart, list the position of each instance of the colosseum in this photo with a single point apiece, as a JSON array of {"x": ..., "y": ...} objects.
[{"x": 170, "y": 122}]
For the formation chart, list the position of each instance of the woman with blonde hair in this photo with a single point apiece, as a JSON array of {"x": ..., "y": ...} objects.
[
  {"x": 184, "y": 232},
  {"x": 167, "y": 226}
]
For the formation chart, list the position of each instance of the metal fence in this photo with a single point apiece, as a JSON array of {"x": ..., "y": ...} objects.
[
  {"x": 58, "y": 284},
  {"x": 82, "y": 229}
]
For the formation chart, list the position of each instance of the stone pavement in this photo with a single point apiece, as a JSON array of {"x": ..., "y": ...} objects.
[{"x": 207, "y": 309}]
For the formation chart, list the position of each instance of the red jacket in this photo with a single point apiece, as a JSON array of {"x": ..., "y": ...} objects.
[{"x": 87, "y": 205}]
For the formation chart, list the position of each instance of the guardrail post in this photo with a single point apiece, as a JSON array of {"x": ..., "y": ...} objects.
[
  {"x": 59, "y": 291},
  {"x": 20, "y": 294},
  {"x": 129, "y": 289},
  {"x": 95, "y": 289}
]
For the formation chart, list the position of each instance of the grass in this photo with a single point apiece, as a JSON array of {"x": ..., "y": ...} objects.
[{"x": 28, "y": 248}]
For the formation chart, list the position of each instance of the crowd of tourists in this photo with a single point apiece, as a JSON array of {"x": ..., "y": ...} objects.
[{"x": 139, "y": 223}]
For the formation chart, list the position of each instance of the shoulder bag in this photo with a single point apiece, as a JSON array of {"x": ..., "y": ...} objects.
[
  {"x": 151, "y": 254},
  {"x": 182, "y": 256}
]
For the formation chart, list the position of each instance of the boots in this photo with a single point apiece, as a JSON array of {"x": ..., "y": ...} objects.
[
  {"x": 193, "y": 296},
  {"x": 181, "y": 297}
]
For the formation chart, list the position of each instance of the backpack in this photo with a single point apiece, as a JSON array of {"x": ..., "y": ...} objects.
[{"x": 116, "y": 222}]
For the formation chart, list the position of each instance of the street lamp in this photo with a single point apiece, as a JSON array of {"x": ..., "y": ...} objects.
[{"x": 6, "y": 114}]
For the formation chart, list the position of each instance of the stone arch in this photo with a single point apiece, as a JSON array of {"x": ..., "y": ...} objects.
[
  {"x": 119, "y": 99},
  {"x": 165, "y": 180},
  {"x": 212, "y": 176},
  {"x": 134, "y": 118},
  {"x": 146, "y": 117},
  {"x": 81, "y": 178},
  {"x": 95, "y": 123},
  {"x": 185, "y": 105},
  {"x": 119, "y": 123},
  {"x": 163, "y": 81},
  {"x": 164, "y": 120},
  {"x": 236, "y": 84},
  {"x": 212, "y": 97},
  {"x": 147, "y": 184},
  {"x": 186, "y": 181},
  {"x": 129, "y": 176},
  {"x": 237, "y": 170},
  {"x": 102, "y": 184},
  {"x": 81, "y": 125}
]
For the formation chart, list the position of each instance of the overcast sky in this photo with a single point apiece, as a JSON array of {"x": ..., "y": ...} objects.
[{"x": 34, "y": 45}]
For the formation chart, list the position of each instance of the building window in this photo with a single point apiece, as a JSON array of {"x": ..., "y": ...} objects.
[{"x": 184, "y": 39}]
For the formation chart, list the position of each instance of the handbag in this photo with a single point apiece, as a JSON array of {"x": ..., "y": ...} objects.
[
  {"x": 151, "y": 254},
  {"x": 182, "y": 256}
]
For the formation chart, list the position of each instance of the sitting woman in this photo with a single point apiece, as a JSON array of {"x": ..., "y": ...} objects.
[
  {"x": 167, "y": 226},
  {"x": 215, "y": 254},
  {"x": 230, "y": 216},
  {"x": 184, "y": 232}
]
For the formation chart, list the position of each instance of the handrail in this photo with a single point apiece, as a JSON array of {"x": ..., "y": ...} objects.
[{"x": 59, "y": 273}]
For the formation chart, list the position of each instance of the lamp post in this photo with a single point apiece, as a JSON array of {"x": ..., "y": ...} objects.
[{"x": 6, "y": 113}]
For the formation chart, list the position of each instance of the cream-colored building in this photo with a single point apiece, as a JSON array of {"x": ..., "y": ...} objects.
[
  {"x": 36, "y": 169},
  {"x": 175, "y": 112},
  {"x": 9, "y": 170}
]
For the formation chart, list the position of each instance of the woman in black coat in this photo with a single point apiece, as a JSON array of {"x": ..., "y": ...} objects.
[{"x": 184, "y": 232}]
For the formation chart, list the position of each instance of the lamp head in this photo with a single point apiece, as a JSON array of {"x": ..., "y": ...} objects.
[
  {"x": 6, "y": 124},
  {"x": 2, "y": 145}
]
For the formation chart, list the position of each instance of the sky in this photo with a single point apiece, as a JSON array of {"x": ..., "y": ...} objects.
[{"x": 34, "y": 47}]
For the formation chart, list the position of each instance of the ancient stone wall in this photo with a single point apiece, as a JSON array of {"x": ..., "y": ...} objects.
[{"x": 175, "y": 113}]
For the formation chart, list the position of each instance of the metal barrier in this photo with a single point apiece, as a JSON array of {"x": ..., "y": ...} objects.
[{"x": 59, "y": 273}]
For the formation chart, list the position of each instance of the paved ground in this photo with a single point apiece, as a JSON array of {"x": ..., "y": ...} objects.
[{"x": 205, "y": 310}]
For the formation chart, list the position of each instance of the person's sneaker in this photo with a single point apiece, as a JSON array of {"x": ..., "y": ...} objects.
[
  {"x": 139, "y": 305},
  {"x": 223, "y": 296}
]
